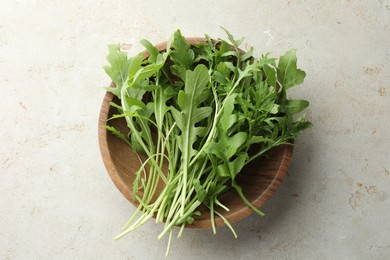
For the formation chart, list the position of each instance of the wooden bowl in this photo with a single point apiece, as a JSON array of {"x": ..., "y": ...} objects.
[{"x": 259, "y": 179}]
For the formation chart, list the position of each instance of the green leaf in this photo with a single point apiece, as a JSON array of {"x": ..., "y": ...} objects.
[
  {"x": 248, "y": 70},
  {"x": 116, "y": 132},
  {"x": 179, "y": 71},
  {"x": 116, "y": 106},
  {"x": 299, "y": 125},
  {"x": 153, "y": 51},
  {"x": 182, "y": 54},
  {"x": 259, "y": 139},
  {"x": 236, "y": 43},
  {"x": 135, "y": 102},
  {"x": 223, "y": 170},
  {"x": 228, "y": 118},
  {"x": 169, "y": 44},
  {"x": 146, "y": 72},
  {"x": 229, "y": 53},
  {"x": 190, "y": 113},
  {"x": 162, "y": 95},
  {"x": 217, "y": 190},
  {"x": 135, "y": 65},
  {"x": 200, "y": 191},
  {"x": 231, "y": 169},
  {"x": 275, "y": 109},
  {"x": 220, "y": 78},
  {"x": 294, "y": 106},
  {"x": 230, "y": 66},
  {"x": 119, "y": 65},
  {"x": 224, "y": 50},
  {"x": 270, "y": 73},
  {"x": 304, "y": 125},
  {"x": 190, "y": 220},
  {"x": 236, "y": 166},
  {"x": 247, "y": 55},
  {"x": 113, "y": 90},
  {"x": 225, "y": 146},
  {"x": 197, "y": 213},
  {"x": 234, "y": 142},
  {"x": 288, "y": 73},
  {"x": 170, "y": 91},
  {"x": 116, "y": 116}
]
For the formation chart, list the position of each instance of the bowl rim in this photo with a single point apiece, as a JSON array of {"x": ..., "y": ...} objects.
[{"x": 201, "y": 223}]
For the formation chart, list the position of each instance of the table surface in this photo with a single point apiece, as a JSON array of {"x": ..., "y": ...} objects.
[{"x": 58, "y": 202}]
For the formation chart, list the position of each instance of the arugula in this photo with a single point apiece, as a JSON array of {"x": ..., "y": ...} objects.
[
  {"x": 188, "y": 100},
  {"x": 118, "y": 70},
  {"x": 288, "y": 74},
  {"x": 206, "y": 111}
]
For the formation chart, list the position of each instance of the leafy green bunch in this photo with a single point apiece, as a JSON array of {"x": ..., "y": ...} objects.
[{"x": 205, "y": 111}]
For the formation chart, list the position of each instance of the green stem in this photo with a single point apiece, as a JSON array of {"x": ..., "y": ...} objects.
[
  {"x": 133, "y": 129},
  {"x": 212, "y": 219},
  {"x": 227, "y": 223},
  {"x": 246, "y": 201}
]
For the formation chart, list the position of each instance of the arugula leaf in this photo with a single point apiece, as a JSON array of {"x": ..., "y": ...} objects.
[
  {"x": 119, "y": 66},
  {"x": 190, "y": 113},
  {"x": 294, "y": 106},
  {"x": 153, "y": 51},
  {"x": 225, "y": 146},
  {"x": 236, "y": 43},
  {"x": 270, "y": 73},
  {"x": 116, "y": 132},
  {"x": 288, "y": 73},
  {"x": 135, "y": 66},
  {"x": 200, "y": 191},
  {"x": 182, "y": 55}
]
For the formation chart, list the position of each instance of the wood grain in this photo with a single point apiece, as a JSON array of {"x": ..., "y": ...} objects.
[{"x": 259, "y": 180}]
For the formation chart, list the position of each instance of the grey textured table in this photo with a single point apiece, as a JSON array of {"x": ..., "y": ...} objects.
[{"x": 56, "y": 200}]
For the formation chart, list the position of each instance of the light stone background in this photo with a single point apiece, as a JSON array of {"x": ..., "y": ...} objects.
[{"x": 56, "y": 199}]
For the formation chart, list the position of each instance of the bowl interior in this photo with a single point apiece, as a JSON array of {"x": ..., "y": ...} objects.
[{"x": 258, "y": 180}]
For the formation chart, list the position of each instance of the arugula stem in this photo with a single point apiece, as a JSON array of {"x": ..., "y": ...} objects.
[
  {"x": 218, "y": 203},
  {"x": 227, "y": 223},
  {"x": 242, "y": 196},
  {"x": 181, "y": 230},
  {"x": 169, "y": 244},
  {"x": 212, "y": 219},
  {"x": 179, "y": 219}
]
